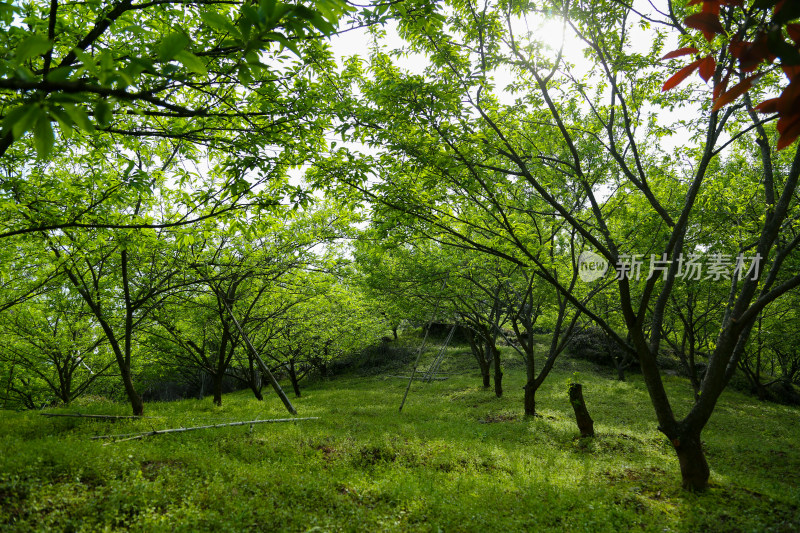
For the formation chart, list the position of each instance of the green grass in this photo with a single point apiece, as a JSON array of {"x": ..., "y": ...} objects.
[{"x": 456, "y": 459}]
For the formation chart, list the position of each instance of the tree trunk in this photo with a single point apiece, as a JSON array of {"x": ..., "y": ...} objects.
[
  {"x": 620, "y": 370},
  {"x": 487, "y": 378},
  {"x": 483, "y": 364},
  {"x": 130, "y": 390},
  {"x": 202, "y": 392},
  {"x": 293, "y": 377},
  {"x": 217, "y": 387},
  {"x": 394, "y": 332},
  {"x": 694, "y": 468},
  {"x": 254, "y": 378},
  {"x": 257, "y": 393},
  {"x": 498, "y": 372},
  {"x": 530, "y": 398},
  {"x": 531, "y": 385},
  {"x": 585, "y": 422}
]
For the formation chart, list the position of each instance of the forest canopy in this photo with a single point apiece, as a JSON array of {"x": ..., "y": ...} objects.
[{"x": 212, "y": 195}]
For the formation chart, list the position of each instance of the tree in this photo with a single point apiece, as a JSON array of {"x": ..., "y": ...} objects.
[
  {"x": 325, "y": 320},
  {"x": 236, "y": 274},
  {"x": 141, "y": 69},
  {"x": 122, "y": 278},
  {"x": 451, "y": 138},
  {"x": 771, "y": 360},
  {"x": 55, "y": 341},
  {"x": 207, "y": 104},
  {"x": 168, "y": 114}
]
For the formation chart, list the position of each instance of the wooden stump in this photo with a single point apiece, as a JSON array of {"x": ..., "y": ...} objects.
[{"x": 585, "y": 422}]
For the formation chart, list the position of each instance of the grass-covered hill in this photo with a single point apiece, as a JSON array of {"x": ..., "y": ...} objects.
[{"x": 456, "y": 459}]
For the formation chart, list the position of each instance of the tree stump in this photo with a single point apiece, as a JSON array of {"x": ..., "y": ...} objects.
[{"x": 585, "y": 422}]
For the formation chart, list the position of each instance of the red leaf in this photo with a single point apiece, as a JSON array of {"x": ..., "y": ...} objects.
[
  {"x": 768, "y": 106},
  {"x": 790, "y": 133},
  {"x": 789, "y": 99},
  {"x": 681, "y": 52},
  {"x": 707, "y": 68},
  {"x": 681, "y": 75},
  {"x": 751, "y": 55},
  {"x": 791, "y": 71},
  {"x": 711, "y": 6},
  {"x": 794, "y": 32},
  {"x": 708, "y": 23},
  {"x": 695, "y": 2},
  {"x": 733, "y": 93},
  {"x": 737, "y": 48}
]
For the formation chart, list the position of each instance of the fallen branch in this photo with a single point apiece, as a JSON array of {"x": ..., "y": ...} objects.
[
  {"x": 134, "y": 436},
  {"x": 420, "y": 377},
  {"x": 105, "y": 417}
]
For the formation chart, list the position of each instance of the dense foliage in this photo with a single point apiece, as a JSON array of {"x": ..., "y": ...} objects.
[{"x": 198, "y": 197}]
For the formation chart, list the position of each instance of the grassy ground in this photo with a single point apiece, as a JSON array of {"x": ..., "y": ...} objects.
[{"x": 456, "y": 459}]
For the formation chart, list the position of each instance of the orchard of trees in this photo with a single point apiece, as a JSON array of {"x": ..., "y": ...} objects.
[{"x": 211, "y": 195}]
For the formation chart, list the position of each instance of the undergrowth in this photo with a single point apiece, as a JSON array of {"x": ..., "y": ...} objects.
[{"x": 456, "y": 459}]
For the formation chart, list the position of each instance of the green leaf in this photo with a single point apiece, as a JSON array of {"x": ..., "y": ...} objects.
[
  {"x": 250, "y": 15},
  {"x": 191, "y": 62},
  {"x": 275, "y": 36},
  {"x": 247, "y": 20},
  {"x": 33, "y": 46},
  {"x": 7, "y": 12},
  {"x": 219, "y": 22},
  {"x": 20, "y": 119},
  {"x": 171, "y": 45},
  {"x": 79, "y": 117},
  {"x": 86, "y": 59},
  {"x": 59, "y": 74},
  {"x": 64, "y": 122},
  {"x": 102, "y": 112},
  {"x": 43, "y": 137},
  {"x": 267, "y": 7},
  {"x": 245, "y": 76}
]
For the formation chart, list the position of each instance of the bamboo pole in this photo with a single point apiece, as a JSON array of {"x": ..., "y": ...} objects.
[
  {"x": 434, "y": 368},
  {"x": 134, "y": 436},
  {"x": 435, "y": 378},
  {"x": 264, "y": 369},
  {"x": 416, "y": 363},
  {"x": 104, "y": 417}
]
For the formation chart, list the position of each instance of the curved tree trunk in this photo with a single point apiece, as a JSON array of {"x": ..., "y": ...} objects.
[
  {"x": 130, "y": 390},
  {"x": 255, "y": 383}
]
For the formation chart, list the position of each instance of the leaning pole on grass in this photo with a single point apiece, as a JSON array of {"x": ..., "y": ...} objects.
[
  {"x": 264, "y": 369},
  {"x": 434, "y": 368},
  {"x": 416, "y": 362},
  {"x": 422, "y": 346}
]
